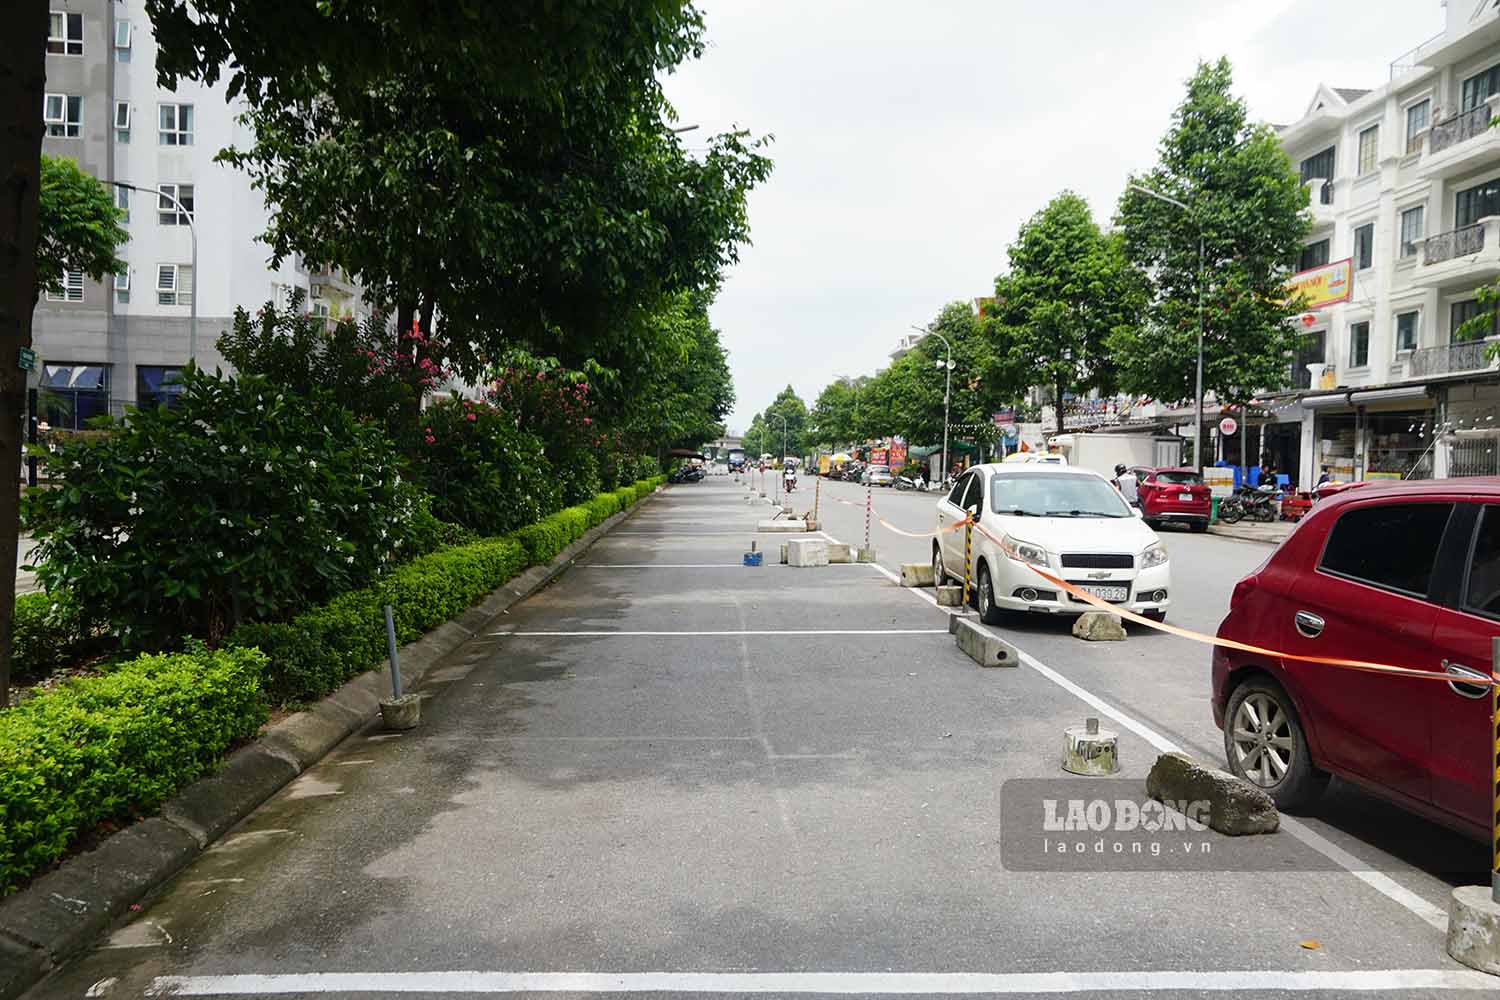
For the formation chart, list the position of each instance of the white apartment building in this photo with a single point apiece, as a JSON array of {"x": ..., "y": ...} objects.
[
  {"x": 105, "y": 345},
  {"x": 1405, "y": 184}
]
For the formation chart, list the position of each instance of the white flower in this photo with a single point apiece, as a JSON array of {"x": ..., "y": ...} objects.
[
  {"x": 299, "y": 449},
  {"x": 268, "y": 466},
  {"x": 349, "y": 560},
  {"x": 223, "y": 447},
  {"x": 243, "y": 449},
  {"x": 300, "y": 519},
  {"x": 219, "y": 554},
  {"x": 224, "y": 521},
  {"x": 312, "y": 463},
  {"x": 261, "y": 407}
]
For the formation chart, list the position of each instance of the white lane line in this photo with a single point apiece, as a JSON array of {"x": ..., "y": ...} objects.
[
  {"x": 736, "y": 565},
  {"x": 835, "y": 983},
  {"x": 1426, "y": 911},
  {"x": 722, "y": 632}
]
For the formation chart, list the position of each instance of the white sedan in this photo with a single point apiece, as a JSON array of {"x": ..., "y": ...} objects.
[{"x": 1065, "y": 520}]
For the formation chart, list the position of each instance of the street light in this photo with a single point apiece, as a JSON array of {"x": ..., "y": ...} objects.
[
  {"x": 783, "y": 436},
  {"x": 1198, "y": 385},
  {"x": 193, "y": 232},
  {"x": 947, "y": 393}
]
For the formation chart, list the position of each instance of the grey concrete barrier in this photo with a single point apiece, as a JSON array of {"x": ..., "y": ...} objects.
[
  {"x": 1474, "y": 928},
  {"x": 807, "y": 552},
  {"x": 983, "y": 646},
  {"x": 1098, "y": 626},
  {"x": 950, "y": 597},
  {"x": 916, "y": 575},
  {"x": 781, "y": 527},
  {"x": 1234, "y": 806},
  {"x": 838, "y": 552}
]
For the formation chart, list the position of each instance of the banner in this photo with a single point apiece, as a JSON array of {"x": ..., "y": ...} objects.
[
  {"x": 898, "y": 457},
  {"x": 1323, "y": 286},
  {"x": 877, "y": 456}
]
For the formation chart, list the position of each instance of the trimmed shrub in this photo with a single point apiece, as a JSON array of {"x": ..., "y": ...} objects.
[
  {"x": 321, "y": 649},
  {"x": 239, "y": 502},
  {"x": 602, "y": 508},
  {"x": 50, "y": 631},
  {"x": 116, "y": 746}
]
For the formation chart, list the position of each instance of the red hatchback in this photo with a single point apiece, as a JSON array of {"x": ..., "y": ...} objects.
[
  {"x": 1406, "y": 575},
  {"x": 1173, "y": 495}
]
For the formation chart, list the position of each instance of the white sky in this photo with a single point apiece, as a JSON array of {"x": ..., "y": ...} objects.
[{"x": 914, "y": 136}]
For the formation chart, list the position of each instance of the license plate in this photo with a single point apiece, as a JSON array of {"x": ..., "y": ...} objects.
[
  {"x": 1104, "y": 593},
  {"x": 1185, "y": 497}
]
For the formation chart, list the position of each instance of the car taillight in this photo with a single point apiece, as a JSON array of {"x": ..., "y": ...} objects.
[{"x": 1243, "y": 589}]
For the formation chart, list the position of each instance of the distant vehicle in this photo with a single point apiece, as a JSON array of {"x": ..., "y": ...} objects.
[
  {"x": 1101, "y": 452},
  {"x": 1406, "y": 574},
  {"x": 1036, "y": 458},
  {"x": 876, "y": 475},
  {"x": 736, "y": 459},
  {"x": 1070, "y": 522},
  {"x": 1176, "y": 495}
]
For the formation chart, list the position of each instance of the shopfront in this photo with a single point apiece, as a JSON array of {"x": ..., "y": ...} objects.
[{"x": 1371, "y": 434}]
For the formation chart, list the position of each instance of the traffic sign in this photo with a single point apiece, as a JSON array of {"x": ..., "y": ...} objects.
[
  {"x": 26, "y": 359},
  {"x": 1228, "y": 426}
]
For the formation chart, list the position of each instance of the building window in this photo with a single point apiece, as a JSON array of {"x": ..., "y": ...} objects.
[
  {"x": 1320, "y": 167},
  {"x": 176, "y": 125},
  {"x": 167, "y": 212},
  {"x": 65, "y": 34},
  {"x": 122, "y": 121},
  {"x": 1313, "y": 255},
  {"x": 69, "y": 288},
  {"x": 63, "y": 116},
  {"x": 1473, "y": 204},
  {"x": 1479, "y": 87},
  {"x": 1369, "y": 149},
  {"x": 1309, "y": 352},
  {"x": 122, "y": 202},
  {"x": 174, "y": 285},
  {"x": 1364, "y": 246},
  {"x": 74, "y": 394},
  {"x": 1416, "y": 120},
  {"x": 122, "y": 286},
  {"x": 122, "y": 41},
  {"x": 1463, "y": 312},
  {"x": 1359, "y": 345},
  {"x": 157, "y": 386},
  {"x": 1411, "y": 229},
  {"x": 1406, "y": 331}
]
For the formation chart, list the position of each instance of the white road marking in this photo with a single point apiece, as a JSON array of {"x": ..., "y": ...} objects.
[
  {"x": 1426, "y": 911},
  {"x": 722, "y": 632},
  {"x": 728, "y": 565},
  {"x": 833, "y": 983},
  {"x": 102, "y": 988}
]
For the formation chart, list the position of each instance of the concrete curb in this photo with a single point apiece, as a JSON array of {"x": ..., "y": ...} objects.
[{"x": 62, "y": 912}]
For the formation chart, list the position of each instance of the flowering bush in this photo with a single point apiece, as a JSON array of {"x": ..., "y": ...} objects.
[
  {"x": 483, "y": 473},
  {"x": 239, "y": 503},
  {"x": 557, "y": 406}
]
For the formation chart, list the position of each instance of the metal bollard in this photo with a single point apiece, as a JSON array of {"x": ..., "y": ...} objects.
[
  {"x": 868, "y": 503},
  {"x": 817, "y": 492},
  {"x": 968, "y": 556},
  {"x": 390, "y": 647}
]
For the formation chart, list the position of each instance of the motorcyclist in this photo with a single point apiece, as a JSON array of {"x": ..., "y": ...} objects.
[
  {"x": 1125, "y": 482},
  {"x": 789, "y": 478}
]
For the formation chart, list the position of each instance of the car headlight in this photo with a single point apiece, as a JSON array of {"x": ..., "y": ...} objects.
[
  {"x": 1026, "y": 552},
  {"x": 1155, "y": 555}
]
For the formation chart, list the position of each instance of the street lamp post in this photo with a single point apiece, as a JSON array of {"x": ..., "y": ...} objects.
[
  {"x": 947, "y": 392},
  {"x": 1198, "y": 385},
  {"x": 193, "y": 232},
  {"x": 783, "y": 438}
]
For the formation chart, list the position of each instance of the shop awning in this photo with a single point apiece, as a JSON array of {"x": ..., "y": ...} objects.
[{"x": 1366, "y": 397}]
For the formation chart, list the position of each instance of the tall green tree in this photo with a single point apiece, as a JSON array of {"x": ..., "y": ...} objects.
[
  {"x": 1246, "y": 202},
  {"x": 832, "y": 420},
  {"x": 789, "y": 405},
  {"x": 1068, "y": 289}
]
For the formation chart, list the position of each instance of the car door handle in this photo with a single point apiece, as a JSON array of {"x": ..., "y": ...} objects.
[
  {"x": 1309, "y": 624},
  {"x": 1481, "y": 690}
]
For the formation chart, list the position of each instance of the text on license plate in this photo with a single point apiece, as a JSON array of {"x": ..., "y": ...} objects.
[
  {"x": 1104, "y": 593},
  {"x": 1186, "y": 497}
]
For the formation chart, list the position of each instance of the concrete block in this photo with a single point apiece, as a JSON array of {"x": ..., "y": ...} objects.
[
  {"x": 954, "y": 620},
  {"x": 783, "y": 552},
  {"x": 1099, "y": 626},
  {"x": 401, "y": 713},
  {"x": 807, "y": 552},
  {"x": 1474, "y": 929},
  {"x": 866, "y": 555},
  {"x": 781, "y": 527},
  {"x": 916, "y": 574},
  {"x": 950, "y": 597},
  {"x": 838, "y": 552},
  {"x": 1233, "y": 806},
  {"x": 983, "y": 646}
]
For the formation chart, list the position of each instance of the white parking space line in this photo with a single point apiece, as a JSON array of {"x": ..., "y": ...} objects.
[
  {"x": 1429, "y": 913},
  {"x": 723, "y": 632},
  {"x": 831, "y": 983},
  {"x": 727, "y": 565}
]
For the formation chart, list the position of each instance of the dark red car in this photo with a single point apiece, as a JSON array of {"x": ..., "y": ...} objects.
[
  {"x": 1407, "y": 575},
  {"x": 1175, "y": 495}
]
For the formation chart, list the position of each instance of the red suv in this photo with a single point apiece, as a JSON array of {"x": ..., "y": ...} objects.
[
  {"x": 1406, "y": 575},
  {"x": 1173, "y": 495}
]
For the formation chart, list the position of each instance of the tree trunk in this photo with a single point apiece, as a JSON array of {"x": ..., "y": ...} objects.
[
  {"x": 23, "y": 77},
  {"x": 1058, "y": 407}
]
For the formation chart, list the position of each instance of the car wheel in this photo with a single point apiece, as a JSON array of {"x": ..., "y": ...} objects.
[
  {"x": 985, "y": 598},
  {"x": 1265, "y": 745},
  {"x": 939, "y": 577}
]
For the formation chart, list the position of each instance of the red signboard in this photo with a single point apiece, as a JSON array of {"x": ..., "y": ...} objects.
[
  {"x": 898, "y": 456},
  {"x": 877, "y": 456}
]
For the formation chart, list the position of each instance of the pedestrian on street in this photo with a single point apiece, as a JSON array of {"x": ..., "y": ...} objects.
[
  {"x": 1125, "y": 481},
  {"x": 1325, "y": 477}
]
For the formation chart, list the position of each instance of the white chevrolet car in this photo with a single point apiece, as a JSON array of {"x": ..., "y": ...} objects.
[{"x": 1066, "y": 520}]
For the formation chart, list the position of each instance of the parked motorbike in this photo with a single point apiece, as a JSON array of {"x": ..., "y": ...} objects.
[
  {"x": 910, "y": 483},
  {"x": 1255, "y": 503}
]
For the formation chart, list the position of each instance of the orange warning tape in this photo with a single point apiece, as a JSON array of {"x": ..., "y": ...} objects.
[{"x": 1183, "y": 633}]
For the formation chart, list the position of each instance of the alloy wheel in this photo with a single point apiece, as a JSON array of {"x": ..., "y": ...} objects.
[{"x": 1263, "y": 741}]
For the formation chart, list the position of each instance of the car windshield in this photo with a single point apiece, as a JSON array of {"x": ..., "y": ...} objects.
[
  {"x": 880, "y": 468},
  {"x": 1180, "y": 478},
  {"x": 1055, "y": 494}
]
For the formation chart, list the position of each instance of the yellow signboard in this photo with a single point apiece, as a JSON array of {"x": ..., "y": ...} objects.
[{"x": 1323, "y": 286}]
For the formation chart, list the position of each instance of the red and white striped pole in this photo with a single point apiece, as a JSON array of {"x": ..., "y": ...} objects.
[{"x": 868, "y": 503}]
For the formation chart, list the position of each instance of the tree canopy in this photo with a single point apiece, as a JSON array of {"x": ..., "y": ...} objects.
[
  {"x": 1247, "y": 203},
  {"x": 78, "y": 225}
]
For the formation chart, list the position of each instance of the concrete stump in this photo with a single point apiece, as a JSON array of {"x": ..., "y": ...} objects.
[
  {"x": 950, "y": 597},
  {"x": 982, "y": 646},
  {"x": 866, "y": 555},
  {"x": 807, "y": 552},
  {"x": 401, "y": 713},
  {"x": 916, "y": 574},
  {"x": 838, "y": 552},
  {"x": 1233, "y": 806},
  {"x": 1474, "y": 929},
  {"x": 1099, "y": 626}
]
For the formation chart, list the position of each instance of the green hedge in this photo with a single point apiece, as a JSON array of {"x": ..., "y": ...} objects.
[
  {"x": 115, "y": 746},
  {"x": 50, "y": 631}
]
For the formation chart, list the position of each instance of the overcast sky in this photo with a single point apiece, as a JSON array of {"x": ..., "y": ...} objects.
[{"x": 913, "y": 138}]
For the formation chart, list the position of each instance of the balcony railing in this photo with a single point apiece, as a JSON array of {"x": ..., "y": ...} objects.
[
  {"x": 1450, "y": 358},
  {"x": 1459, "y": 128},
  {"x": 1454, "y": 243}
]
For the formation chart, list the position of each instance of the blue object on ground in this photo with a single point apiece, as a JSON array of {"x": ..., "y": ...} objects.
[{"x": 753, "y": 558}]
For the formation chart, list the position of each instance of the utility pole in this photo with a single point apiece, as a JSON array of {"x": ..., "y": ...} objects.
[
  {"x": 192, "y": 232},
  {"x": 947, "y": 390}
]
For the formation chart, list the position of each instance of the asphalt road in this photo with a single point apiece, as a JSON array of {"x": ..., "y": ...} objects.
[{"x": 669, "y": 773}]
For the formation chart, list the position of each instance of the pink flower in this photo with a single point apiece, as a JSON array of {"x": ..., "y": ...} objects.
[
  {"x": 587, "y": 420},
  {"x": 431, "y": 439},
  {"x": 473, "y": 416}
]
